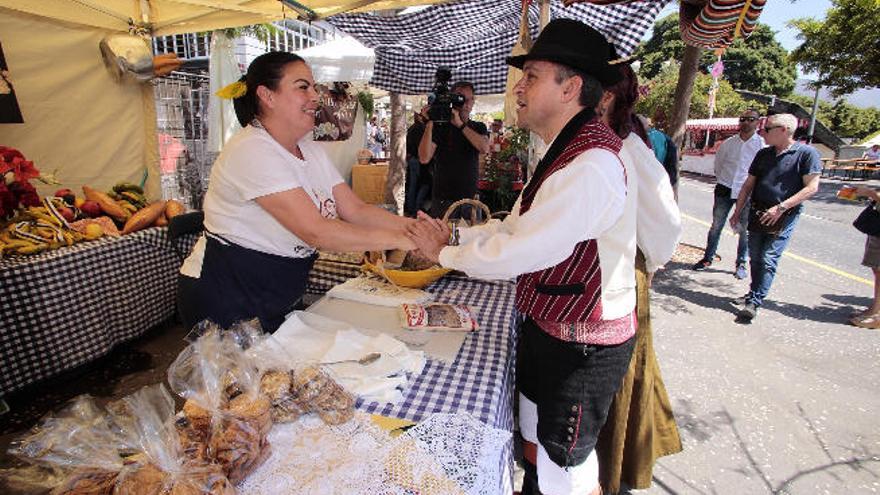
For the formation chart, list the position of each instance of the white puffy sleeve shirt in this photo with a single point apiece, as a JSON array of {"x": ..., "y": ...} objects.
[
  {"x": 574, "y": 204},
  {"x": 658, "y": 220}
]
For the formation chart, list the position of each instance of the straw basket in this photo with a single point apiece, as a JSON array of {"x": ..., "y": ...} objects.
[
  {"x": 418, "y": 279},
  {"x": 473, "y": 202}
]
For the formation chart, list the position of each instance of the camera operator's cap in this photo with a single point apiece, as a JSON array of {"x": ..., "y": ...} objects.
[{"x": 572, "y": 43}]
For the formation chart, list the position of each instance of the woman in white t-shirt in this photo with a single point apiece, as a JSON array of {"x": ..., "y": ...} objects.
[{"x": 273, "y": 199}]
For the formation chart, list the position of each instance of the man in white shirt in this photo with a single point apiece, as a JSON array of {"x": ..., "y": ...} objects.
[
  {"x": 732, "y": 163},
  {"x": 570, "y": 241}
]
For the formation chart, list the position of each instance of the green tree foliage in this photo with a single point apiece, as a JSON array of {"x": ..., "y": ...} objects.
[
  {"x": 844, "y": 49},
  {"x": 758, "y": 63},
  {"x": 658, "y": 102},
  {"x": 845, "y": 120},
  {"x": 261, "y": 32},
  {"x": 664, "y": 46}
]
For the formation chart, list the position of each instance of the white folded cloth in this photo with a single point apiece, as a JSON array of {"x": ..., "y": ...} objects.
[
  {"x": 309, "y": 337},
  {"x": 374, "y": 291}
]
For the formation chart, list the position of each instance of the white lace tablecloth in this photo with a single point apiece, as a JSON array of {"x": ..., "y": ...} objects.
[{"x": 445, "y": 455}]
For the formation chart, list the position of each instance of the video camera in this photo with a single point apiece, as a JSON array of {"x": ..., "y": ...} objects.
[{"x": 441, "y": 100}]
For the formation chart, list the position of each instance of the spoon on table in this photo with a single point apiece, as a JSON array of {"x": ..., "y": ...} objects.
[{"x": 363, "y": 360}]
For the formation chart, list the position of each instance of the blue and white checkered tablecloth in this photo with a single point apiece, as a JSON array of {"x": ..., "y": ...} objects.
[
  {"x": 63, "y": 308},
  {"x": 481, "y": 379}
]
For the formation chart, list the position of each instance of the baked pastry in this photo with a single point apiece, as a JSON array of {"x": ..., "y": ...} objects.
[
  {"x": 254, "y": 409},
  {"x": 238, "y": 442},
  {"x": 193, "y": 425},
  {"x": 201, "y": 479},
  {"x": 276, "y": 386},
  {"x": 314, "y": 391},
  {"x": 141, "y": 479},
  {"x": 87, "y": 481}
]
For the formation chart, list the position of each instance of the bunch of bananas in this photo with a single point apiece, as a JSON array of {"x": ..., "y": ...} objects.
[
  {"x": 38, "y": 228},
  {"x": 128, "y": 196}
]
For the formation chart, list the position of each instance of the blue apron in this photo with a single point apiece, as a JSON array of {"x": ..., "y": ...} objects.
[{"x": 238, "y": 283}]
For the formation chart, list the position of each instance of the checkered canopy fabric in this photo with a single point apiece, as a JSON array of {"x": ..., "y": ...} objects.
[{"x": 473, "y": 37}]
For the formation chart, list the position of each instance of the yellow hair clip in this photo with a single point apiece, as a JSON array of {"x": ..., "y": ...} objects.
[{"x": 232, "y": 91}]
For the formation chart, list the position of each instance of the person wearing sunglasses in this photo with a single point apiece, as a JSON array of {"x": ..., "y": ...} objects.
[
  {"x": 732, "y": 162},
  {"x": 782, "y": 176}
]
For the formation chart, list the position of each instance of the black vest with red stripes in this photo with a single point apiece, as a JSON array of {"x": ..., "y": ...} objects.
[{"x": 572, "y": 290}]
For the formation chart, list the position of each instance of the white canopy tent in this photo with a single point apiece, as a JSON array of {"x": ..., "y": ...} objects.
[
  {"x": 343, "y": 59},
  {"x": 189, "y": 16},
  {"x": 78, "y": 121}
]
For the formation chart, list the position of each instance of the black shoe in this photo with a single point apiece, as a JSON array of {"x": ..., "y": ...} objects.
[
  {"x": 701, "y": 265},
  {"x": 748, "y": 312}
]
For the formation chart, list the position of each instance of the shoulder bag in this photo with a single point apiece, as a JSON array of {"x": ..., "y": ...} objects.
[{"x": 868, "y": 221}]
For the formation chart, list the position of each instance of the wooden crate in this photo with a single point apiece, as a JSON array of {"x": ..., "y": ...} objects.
[{"x": 368, "y": 182}]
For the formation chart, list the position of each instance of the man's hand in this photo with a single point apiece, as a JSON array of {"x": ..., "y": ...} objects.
[
  {"x": 771, "y": 215},
  {"x": 866, "y": 192},
  {"x": 455, "y": 119},
  {"x": 429, "y": 235},
  {"x": 734, "y": 221}
]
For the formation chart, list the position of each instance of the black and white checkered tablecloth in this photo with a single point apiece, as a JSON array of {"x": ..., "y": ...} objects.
[
  {"x": 63, "y": 308},
  {"x": 473, "y": 37},
  {"x": 481, "y": 379}
]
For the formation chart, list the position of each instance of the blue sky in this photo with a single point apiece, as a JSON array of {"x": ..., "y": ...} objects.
[{"x": 777, "y": 13}]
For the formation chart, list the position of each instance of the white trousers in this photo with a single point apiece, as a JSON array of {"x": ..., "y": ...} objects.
[{"x": 554, "y": 479}]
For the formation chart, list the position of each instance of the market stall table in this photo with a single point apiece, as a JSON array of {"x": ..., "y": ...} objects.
[
  {"x": 479, "y": 381},
  {"x": 63, "y": 308}
]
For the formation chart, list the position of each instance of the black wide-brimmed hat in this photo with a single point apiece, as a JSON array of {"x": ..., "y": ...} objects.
[{"x": 572, "y": 43}]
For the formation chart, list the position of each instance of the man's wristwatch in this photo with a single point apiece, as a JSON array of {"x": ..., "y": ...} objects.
[
  {"x": 781, "y": 207},
  {"x": 454, "y": 235}
]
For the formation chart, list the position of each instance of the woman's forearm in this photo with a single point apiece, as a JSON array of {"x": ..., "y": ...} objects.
[
  {"x": 371, "y": 216},
  {"x": 339, "y": 235}
]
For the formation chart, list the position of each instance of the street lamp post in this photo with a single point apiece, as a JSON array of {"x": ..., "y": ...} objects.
[{"x": 813, "y": 113}]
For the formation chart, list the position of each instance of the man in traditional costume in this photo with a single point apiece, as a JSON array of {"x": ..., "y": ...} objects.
[{"x": 570, "y": 241}]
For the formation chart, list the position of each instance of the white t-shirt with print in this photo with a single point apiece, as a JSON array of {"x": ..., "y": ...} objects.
[{"x": 251, "y": 165}]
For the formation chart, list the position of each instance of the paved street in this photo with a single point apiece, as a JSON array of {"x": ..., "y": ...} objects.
[{"x": 789, "y": 403}]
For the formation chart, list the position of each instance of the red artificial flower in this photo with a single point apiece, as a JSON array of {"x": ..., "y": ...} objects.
[
  {"x": 12, "y": 160},
  {"x": 7, "y": 154},
  {"x": 7, "y": 201},
  {"x": 25, "y": 193},
  {"x": 24, "y": 170}
]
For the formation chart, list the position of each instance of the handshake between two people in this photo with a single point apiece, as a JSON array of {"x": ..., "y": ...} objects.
[{"x": 429, "y": 235}]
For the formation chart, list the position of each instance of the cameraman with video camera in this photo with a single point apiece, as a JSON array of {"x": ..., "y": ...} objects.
[{"x": 453, "y": 141}]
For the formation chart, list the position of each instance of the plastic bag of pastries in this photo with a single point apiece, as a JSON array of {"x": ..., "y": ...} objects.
[
  {"x": 77, "y": 445},
  {"x": 295, "y": 388},
  {"x": 315, "y": 391},
  {"x": 276, "y": 385},
  {"x": 192, "y": 479},
  {"x": 226, "y": 419},
  {"x": 160, "y": 467}
]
